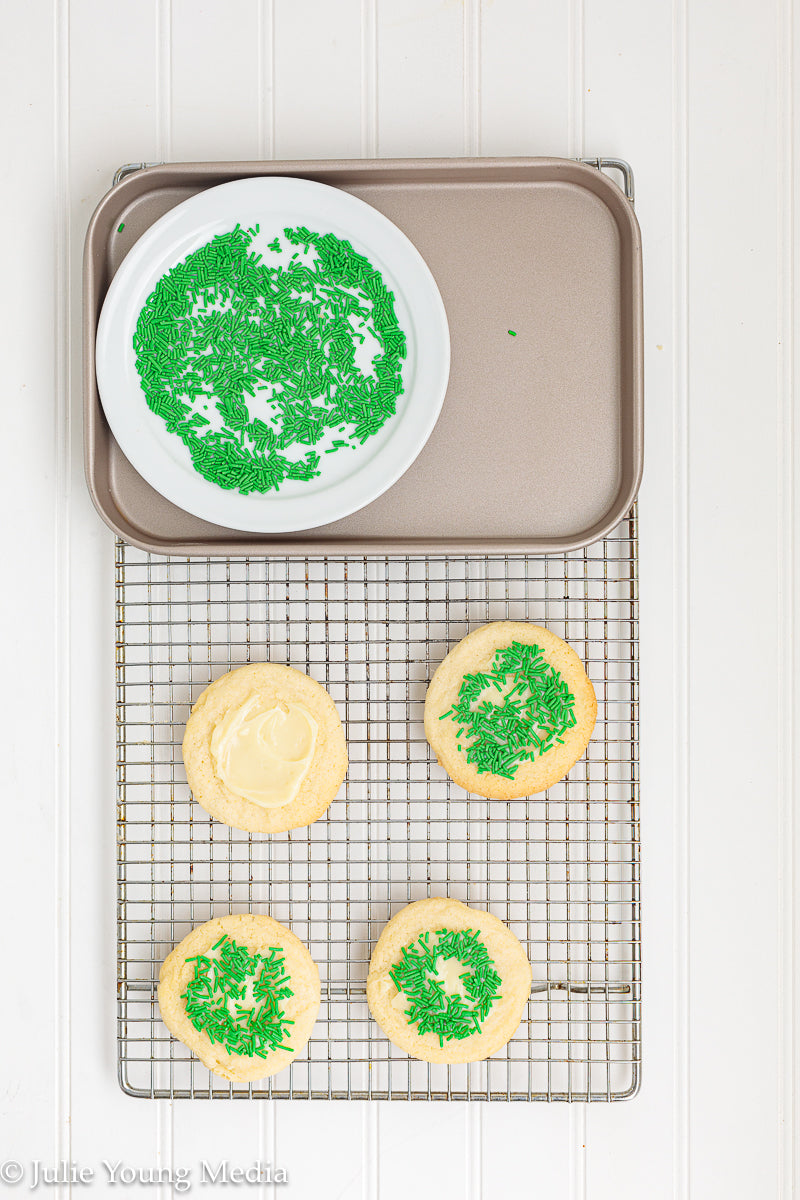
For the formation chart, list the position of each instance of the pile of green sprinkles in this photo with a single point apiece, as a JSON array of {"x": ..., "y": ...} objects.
[
  {"x": 531, "y": 717},
  {"x": 235, "y": 998},
  {"x": 252, "y": 363},
  {"x": 431, "y": 1008}
]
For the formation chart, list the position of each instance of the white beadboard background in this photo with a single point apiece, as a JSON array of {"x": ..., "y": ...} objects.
[{"x": 700, "y": 96}]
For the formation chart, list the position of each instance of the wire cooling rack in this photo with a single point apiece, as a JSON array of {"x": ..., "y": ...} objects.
[{"x": 561, "y": 869}]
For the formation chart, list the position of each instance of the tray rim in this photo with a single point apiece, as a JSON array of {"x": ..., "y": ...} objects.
[{"x": 133, "y": 179}]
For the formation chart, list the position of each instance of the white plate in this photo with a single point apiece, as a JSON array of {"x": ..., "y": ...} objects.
[{"x": 349, "y": 479}]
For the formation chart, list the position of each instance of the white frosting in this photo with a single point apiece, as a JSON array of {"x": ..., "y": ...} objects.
[
  {"x": 448, "y": 972},
  {"x": 262, "y": 750}
]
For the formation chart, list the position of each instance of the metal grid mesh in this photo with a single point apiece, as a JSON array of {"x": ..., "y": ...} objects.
[{"x": 562, "y": 870}]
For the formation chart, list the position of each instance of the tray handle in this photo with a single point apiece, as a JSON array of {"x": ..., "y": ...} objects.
[
  {"x": 130, "y": 169},
  {"x": 613, "y": 164}
]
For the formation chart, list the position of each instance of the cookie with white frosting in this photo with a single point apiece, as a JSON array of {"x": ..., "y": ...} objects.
[{"x": 264, "y": 749}]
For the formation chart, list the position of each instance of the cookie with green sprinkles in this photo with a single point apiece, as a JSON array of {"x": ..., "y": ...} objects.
[
  {"x": 448, "y": 983},
  {"x": 264, "y": 353},
  {"x": 243, "y": 993},
  {"x": 510, "y": 710}
]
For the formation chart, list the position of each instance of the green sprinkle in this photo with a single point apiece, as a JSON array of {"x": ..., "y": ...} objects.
[
  {"x": 120, "y": 227},
  {"x": 270, "y": 351},
  {"x": 535, "y": 708},
  {"x": 513, "y": 332},
  {"x": 432, "y": 1009},
  {"x": 213, "y": 999}
]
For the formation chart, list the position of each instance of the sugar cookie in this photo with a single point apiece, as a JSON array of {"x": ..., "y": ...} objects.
[
  {"x": 448, "y": 983},
  {"x": 243, "y": 993},
  {"x": 510, "y": 710},
  {"x": 264, "y": 749}
]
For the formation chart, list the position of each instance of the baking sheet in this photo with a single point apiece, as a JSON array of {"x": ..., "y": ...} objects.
[{"x": 539, "y": 445}]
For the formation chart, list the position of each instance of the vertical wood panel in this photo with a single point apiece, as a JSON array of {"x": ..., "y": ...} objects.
[
  {"x": 734, "y": 565},
  {"x": 524, "y": 77},
  {"x": 213, "y": 1132},
  {"x": 215, "y": 81},
  {"x": 62, "y": 418},
  {"x": 417, "y": 1133},
  {"x": 788, "y": 431},
  {"x": 28, "y": 608},
  {"x": 628, "y": 51},
  {"x": 266, "y": 78},
  {"x": 420, "y": 78},
  {"x": 334, "y": 1167},
  {"x": 523, "y": 1143},
  {"x": 113, "y": 96},
  {"x": 317, "y": 79}
]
